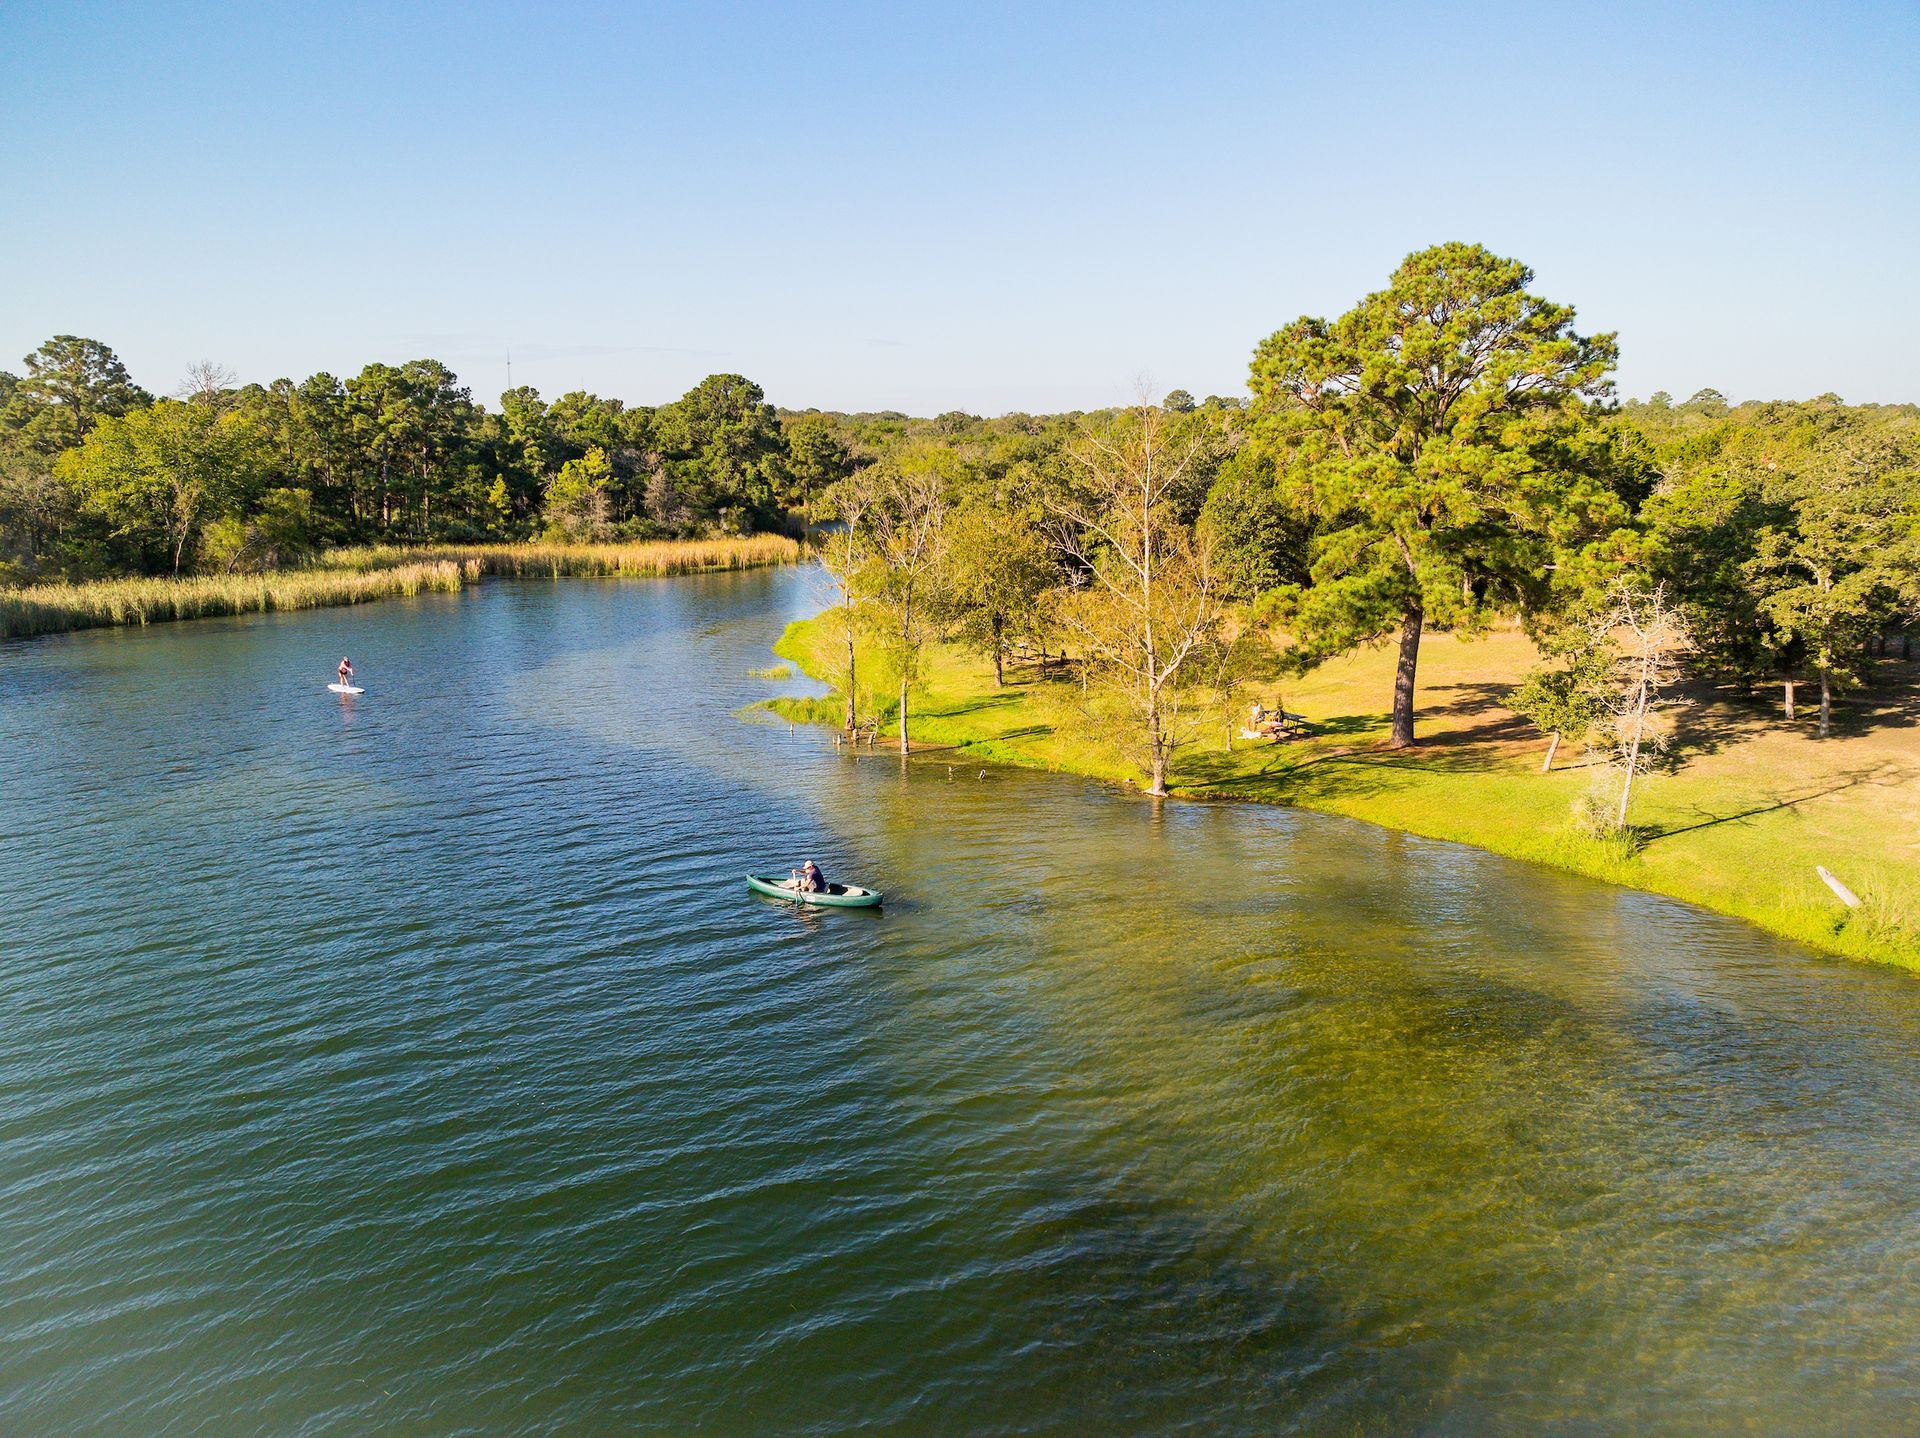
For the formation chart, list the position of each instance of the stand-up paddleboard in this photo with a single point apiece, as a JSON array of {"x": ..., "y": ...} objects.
[{"x": 346, "y": 689}]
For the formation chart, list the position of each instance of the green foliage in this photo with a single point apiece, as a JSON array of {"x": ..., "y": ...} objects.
[
  {"x": 1567, "y": 692},
  {"x": 70, "y": 385},
  {"x": 1261, "y": 541},
  {"x": 159, "y": 474},
  {"x": 579, "y": 508},
  {"x": 1839, "y": 557},
  {"x": 279, "y": 532},
  {"x": 997, "y": 567},
  {"x": 529, "y": 431},
  {"x": 817, "y": 459},
  {"x": 394, "y": 452},
  {"x": 723, "y": 452},
  {"x": 1429, "y": 430},
  {"x": 1787, "y": 532}
]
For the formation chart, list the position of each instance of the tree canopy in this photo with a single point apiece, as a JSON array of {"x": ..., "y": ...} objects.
[{"x": 1423, "y": 430}]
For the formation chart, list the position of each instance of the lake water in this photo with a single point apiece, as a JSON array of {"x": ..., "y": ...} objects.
[{"x": 420, "y": 1064}]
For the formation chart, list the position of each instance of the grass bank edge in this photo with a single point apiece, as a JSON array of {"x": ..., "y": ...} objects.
[
  {"x": 1873, "y": 934},
  {"x": 360, "y": 575}
]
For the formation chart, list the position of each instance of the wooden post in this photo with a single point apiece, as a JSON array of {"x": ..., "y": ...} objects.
[{"x": 1840, "y": 890}]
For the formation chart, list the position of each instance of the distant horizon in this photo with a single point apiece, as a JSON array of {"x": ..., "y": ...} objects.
[{"x": 983, "y": 208}]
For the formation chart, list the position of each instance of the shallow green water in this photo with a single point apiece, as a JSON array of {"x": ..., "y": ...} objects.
[{"x": 419, "y": 1064}]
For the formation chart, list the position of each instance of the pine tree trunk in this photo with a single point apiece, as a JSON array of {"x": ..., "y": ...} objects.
[
  {"x": 999, "y": 678},
  {"x": 1790, "y": 683},
  {"x": 1553, "y": 747},
  {"x": 1403, "y": 677},
  {"x": 1826, "y": 703}
]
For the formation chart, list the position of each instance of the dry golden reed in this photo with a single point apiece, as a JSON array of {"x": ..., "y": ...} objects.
[
  {"x": 589, "y": 561},
  {"x": 355, "y": 576}
]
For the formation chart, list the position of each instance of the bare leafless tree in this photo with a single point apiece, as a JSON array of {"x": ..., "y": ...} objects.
[
  {"x": 906, "y": 523},
  {"x": 1646, "y": 635},
  {"x": 845, "y": 553},
  {"x": 210, "y": 383},
  {"x": 1150, "y": 604}
]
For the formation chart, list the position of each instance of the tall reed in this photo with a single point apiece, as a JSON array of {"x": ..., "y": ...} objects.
[
  {"x": 48, "y": 608},
  {"x": 557, "y": 560},
  {"x": 354, "y": 576}
]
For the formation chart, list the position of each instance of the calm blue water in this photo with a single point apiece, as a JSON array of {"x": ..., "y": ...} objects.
[{"x": 419, "y": 1064}]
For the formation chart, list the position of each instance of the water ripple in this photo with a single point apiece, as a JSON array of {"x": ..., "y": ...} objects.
[{"x": 420, "y": 1064}]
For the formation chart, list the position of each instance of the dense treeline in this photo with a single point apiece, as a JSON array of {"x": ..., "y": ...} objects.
[{"x": 99, "y": 477}]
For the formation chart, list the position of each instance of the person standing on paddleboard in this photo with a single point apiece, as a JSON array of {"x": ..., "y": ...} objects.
[{"x": 346, "y": 670}]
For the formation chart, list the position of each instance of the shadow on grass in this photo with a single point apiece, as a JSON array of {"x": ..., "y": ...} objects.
[
  {"x": 1032, "y": 731},
  {"x": 970, "y": 706},
  {"x": 1851, "y": 779},
  {"x": 1716, "y": 716},
  {"x": 1483, "y": 702}
]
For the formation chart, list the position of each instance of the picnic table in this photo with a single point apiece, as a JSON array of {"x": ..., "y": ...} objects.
[{"x": 1278, "y": 726}]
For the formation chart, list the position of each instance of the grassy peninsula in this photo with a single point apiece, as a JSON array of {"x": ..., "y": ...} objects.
[{"x": 1736, "y": 821}]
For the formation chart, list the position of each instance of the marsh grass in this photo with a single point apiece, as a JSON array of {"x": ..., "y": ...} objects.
[
  {"x": 357, "y": 576},
  {"x": 52, "y": 608},
  {"x": 651, "y": 558}
]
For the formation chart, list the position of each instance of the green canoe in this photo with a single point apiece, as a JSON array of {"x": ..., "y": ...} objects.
[{"x": 837, "y": 896}]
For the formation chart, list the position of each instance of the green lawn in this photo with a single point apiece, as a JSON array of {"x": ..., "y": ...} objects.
[{"x": 1750, "y": 804}]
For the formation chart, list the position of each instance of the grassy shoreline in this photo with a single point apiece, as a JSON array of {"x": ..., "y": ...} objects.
[
  {"x": 1737, "y": 826},
  {"x": 361, "y": 575}
]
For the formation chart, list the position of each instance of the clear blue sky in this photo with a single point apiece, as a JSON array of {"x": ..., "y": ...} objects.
[{"x": 924, "y": 206}]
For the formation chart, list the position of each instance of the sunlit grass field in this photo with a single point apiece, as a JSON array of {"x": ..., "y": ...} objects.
[
  {"x": 1736, "y": 821},
  {"x": 355, "y": 576}
]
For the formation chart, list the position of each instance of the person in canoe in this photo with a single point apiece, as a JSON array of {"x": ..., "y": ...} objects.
[
  {"x": 345, "y": 670},
  {"x": 809, "y": 880}
]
